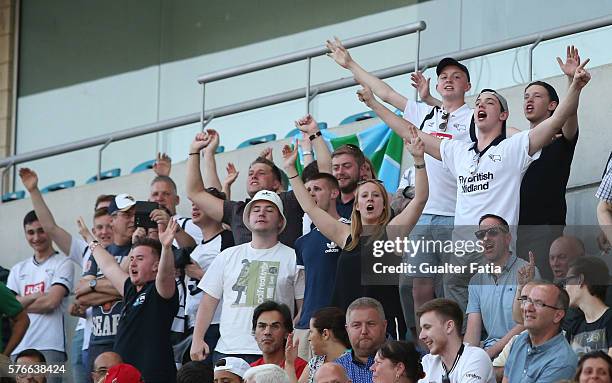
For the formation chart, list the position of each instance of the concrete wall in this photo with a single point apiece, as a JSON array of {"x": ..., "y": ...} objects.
[{"x": 7, "y": 34}]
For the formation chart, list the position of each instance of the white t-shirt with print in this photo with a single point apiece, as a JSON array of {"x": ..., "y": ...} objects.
[
  {"x": 494, "y": 188},
  {"x": 474, "y": 366},
  {"x": 244, "y": 277},
  {"x": 46, "y": 331},
  {"x": 442, "y": 184}
]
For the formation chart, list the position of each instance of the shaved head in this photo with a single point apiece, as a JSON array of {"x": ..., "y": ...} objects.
[
  {"x": 331, "y": 373},
  {"x": 563, "y": 251}
]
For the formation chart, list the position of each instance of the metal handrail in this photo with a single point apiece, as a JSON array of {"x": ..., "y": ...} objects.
[
  {"x": 307, "y": 54},
  {"x": 297, "y": 93}
]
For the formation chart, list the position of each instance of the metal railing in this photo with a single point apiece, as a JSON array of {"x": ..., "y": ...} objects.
[
  {"x": 308, "y": 55},
  {"x": 295, "y": 94}
]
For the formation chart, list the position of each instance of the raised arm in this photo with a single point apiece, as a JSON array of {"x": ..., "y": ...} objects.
[
  {"x": 398, "y": 124},
  {"x": 213, "y": 206},
  {"x": 232, "y": 174},
  {"x": 421, "y": 84},
  {"x": 343, "y": 58},
  {"x": 164, "y": 280},
  {"x": 162, "y": 165},
  {"x": 106, "y": 262},
  {"x": 61, "y": 237},
  {"x": 310, "y": 128},
  {"x": 411, "y": 213},
  {"x": 330, "y": 227},
  {"x": 572, "y": 62},
  {"x": 544, "y": 133},
  {"x": 211, "y": 177}
]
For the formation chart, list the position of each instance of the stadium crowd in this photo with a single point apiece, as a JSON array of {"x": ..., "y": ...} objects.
[{"x": 280, "y": 287}]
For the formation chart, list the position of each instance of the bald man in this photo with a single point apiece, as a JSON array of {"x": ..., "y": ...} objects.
[
  {"x": 563, "y": 251},
  {"x": 103, "y": 363},
  {"x": 331, "y": 373}
]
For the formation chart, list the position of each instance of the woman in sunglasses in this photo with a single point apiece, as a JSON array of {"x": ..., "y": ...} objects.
[{"x": 361, "y": 242}]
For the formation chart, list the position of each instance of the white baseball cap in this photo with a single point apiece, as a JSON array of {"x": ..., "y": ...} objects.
[
  {"x": 236, "y": 366},
  {"x": 264, "y": 195},
  {"x": 121, "y": 202}
]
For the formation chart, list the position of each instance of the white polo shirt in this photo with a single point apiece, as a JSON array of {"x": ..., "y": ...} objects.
[
  {"x": 493, "y": 187},
  {"x": 474, "y": 365},
  {"x": 442, "y": 184}
]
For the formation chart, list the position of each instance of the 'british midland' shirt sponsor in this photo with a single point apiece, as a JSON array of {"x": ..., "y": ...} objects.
[
  {"x": 442, "y": 184},
  {"x": 489, "y": 182}
]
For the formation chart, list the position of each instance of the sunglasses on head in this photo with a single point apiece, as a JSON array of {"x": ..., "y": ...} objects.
[
  {"x": 490, "y": 232},
  {"x": 444, "y": 124},
  {"x": 371, "y": 180}
]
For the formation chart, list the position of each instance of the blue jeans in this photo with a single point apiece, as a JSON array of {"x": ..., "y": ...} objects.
[{"x": 79, "y": 369}]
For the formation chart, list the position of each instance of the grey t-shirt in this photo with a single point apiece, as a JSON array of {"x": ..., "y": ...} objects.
[{"x": 232, "y": 215}]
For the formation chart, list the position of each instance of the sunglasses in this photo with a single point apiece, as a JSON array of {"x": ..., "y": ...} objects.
[
  {"x": 370, "y": 180},
  {"x": 444, "y": 124},
  {"x": 490, "y": 232}
]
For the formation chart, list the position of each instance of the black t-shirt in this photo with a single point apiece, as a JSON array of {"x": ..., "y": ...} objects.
[
  {"x": 143, "y": 337},
  {"x": 544, "y": 184},
  {"x": 349, "y": 286},
  {"x": 105, "y": 318},
  {"x": 586, "y": 337},
  {"x": 232, "y": 215}
]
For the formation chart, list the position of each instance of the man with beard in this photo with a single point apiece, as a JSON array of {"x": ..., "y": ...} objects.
[
  {"x": 262, "y": 175},
  {"x": 347, "y": 163},
  {"x": 272, "y": 325},
  {"x": 491, "y": 294},
  {"x": 366, "y": 327}
]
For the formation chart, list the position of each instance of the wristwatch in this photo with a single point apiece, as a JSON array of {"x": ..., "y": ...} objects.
[{"x": 92, "y": 284}]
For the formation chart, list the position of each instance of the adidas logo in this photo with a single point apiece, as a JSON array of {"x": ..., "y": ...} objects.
[{"x": 332, "y": 247}]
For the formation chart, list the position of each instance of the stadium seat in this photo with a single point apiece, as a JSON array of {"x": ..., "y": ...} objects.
[
  {"x": 358, "y": 117},
  {"x": 221, "y": 149},
  {"x": 322, "y": 125},
  {"x": 258, "y": 140},
  {"x": 58, "y": 186},
  {"x": 144, "y": 166},
  {"x": 105, "y": 175},
  {"x": 6, "y": 197}
]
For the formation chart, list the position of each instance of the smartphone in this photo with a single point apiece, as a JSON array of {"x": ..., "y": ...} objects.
[{"x": 143, "y": 211}]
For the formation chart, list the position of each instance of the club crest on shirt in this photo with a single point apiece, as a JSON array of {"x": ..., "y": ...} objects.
[
  {"x": 460, "y": 127},
  {"x": 140, "y": 300},
  {"x": 34, "y": 288},
  {"x": 495, "y": 157}
]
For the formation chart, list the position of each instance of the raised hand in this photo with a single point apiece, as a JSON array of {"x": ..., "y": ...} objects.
[
  {"x": 162, "y": 165},
  {"x": 306, "y": 144},
  {"x": 307, "y": 124},
  {"x": 365, "y": 95},
  {"x": 526, "y": 273},
  {"x": 166, "y": 237},
  {"x": 29, "y": 178},
  {"x": 291, "y": 349},
  {"x": 213, "y": 141},
  {"x": 581, "y": 76},
  {"x": 267, "y": 154},
  {"x": 84, "y": 230},
  {"x": 232, "y": 174},
  {"x": 200, "y": 141},
  {"x": 339, "y": 53},
  {"x": 160, "y": 217},
  {"x": 289, "y": 156},
  {"x": 572, "y": 61},
  {"x": 421, "y": 84},
  {"x": 415, "y": 146}
]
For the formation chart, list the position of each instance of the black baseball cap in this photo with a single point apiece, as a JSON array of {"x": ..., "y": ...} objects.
[{"x": 451, "y": 61}]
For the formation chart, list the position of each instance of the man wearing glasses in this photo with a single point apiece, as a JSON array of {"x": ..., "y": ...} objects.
[
  {"x": 491, "y": 295},
  {"x": 102, "y": 364},
  {"x": 542, "y": 354}
]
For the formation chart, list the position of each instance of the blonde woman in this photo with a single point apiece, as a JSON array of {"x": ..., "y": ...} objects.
[{"x": 371, "y": 222}]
